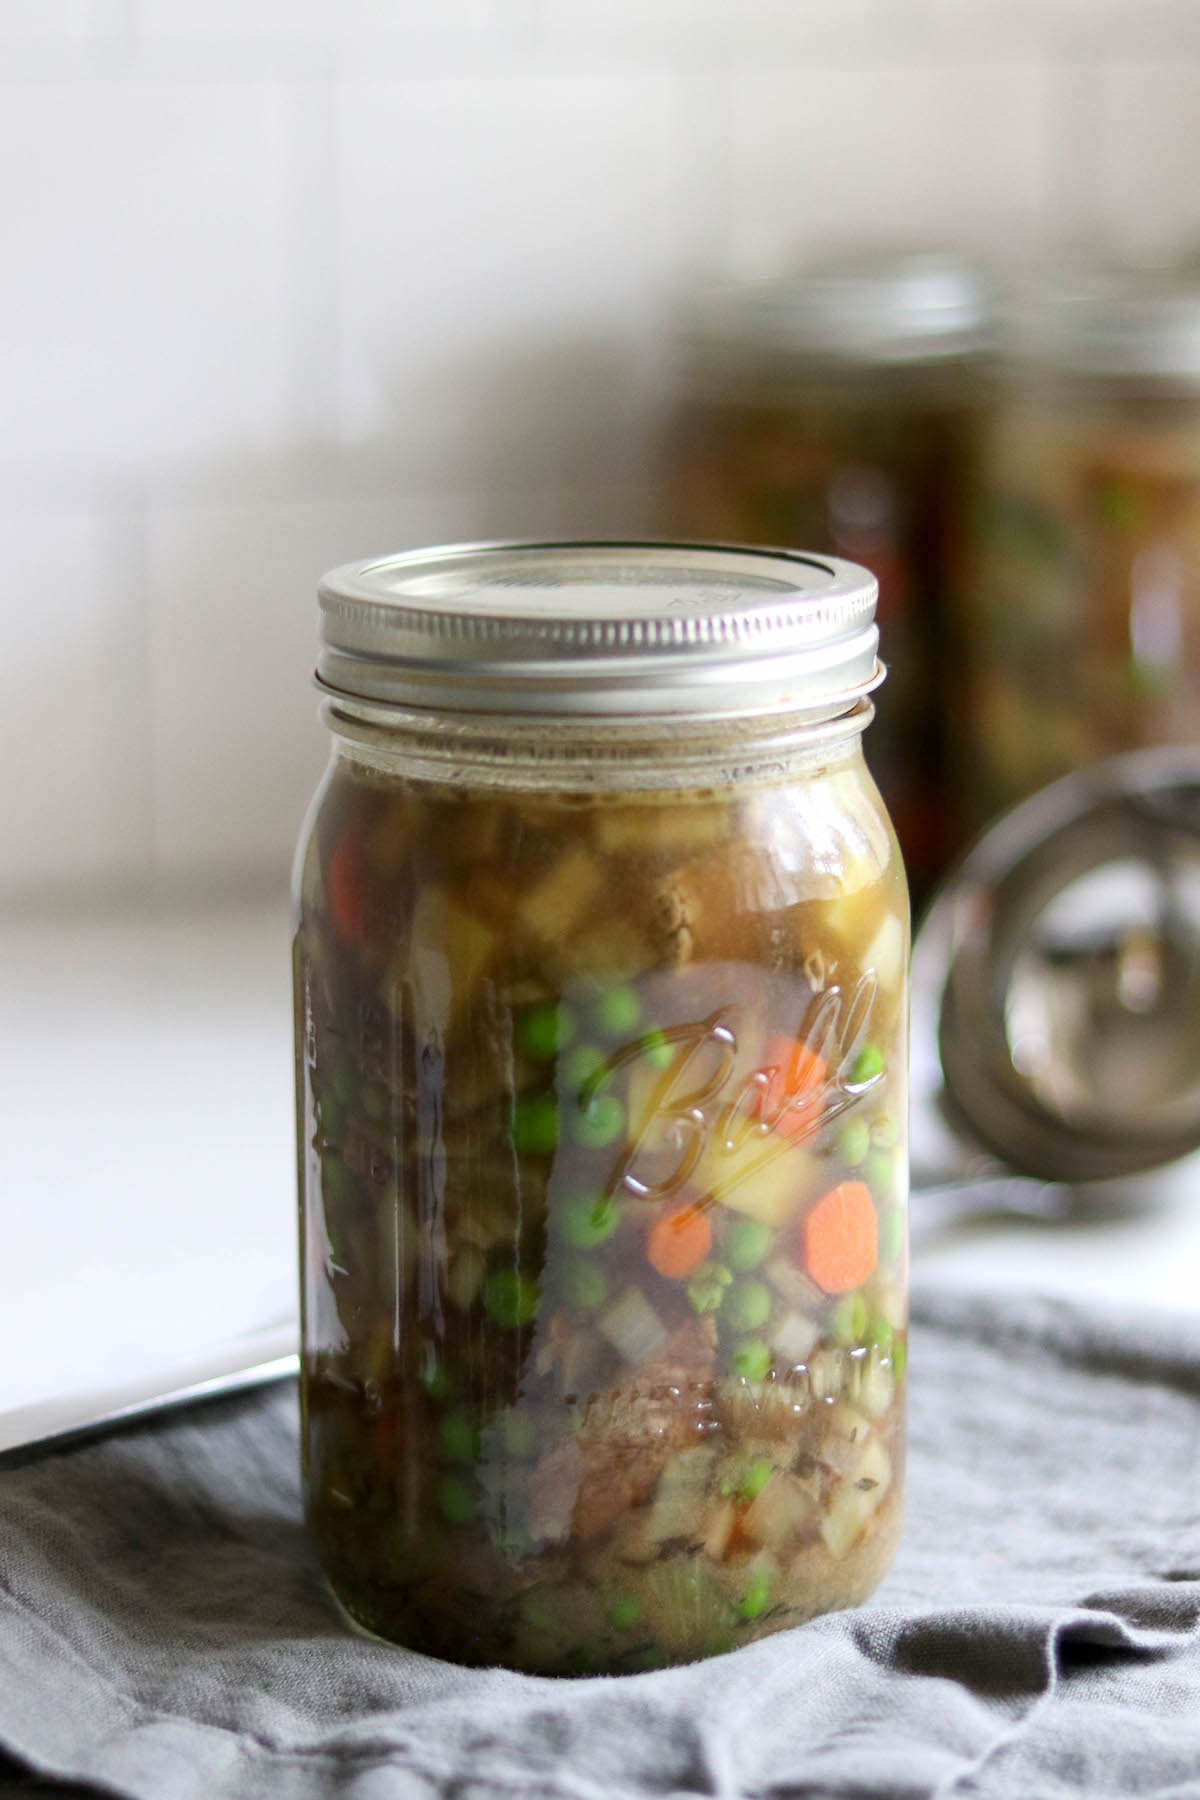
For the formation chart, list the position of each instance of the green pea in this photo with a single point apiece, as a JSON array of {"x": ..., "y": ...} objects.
[
  {"x": 543, "y": 1030},
  {"x": 754, "y": 1479},
  {"x": 747, "y": 1305},
  {"x": 618, "y": 1011},
  {"x": 519, "y": 1433},
  {"x": 885, "y": 1132},
  {"x": 581, "y": 1066},
  {"x": 867, "y": 1065},
  {"x": 339, "y": 1185},
  {"x": 706, "y": 1289},
  {"x": 746, "y": 1243},
  {"x": 757, "y": 1597},
  {"x": 751, "y": 1361},
  {"x": 585, "y": 1286},
  {"x": 899, "y": 1357},
  {"x": 535, "y": 1124},
  {"x": 510, "y": 1298},
  {"x": 892, "y": 1234},
  {"x": 854, "y": 1140},
  {"x": 656, "y": 1050},
  {"x": 878, "y": 1170},
  {"x": 456, "y": 1502},
  {"x": 850, "y": 1320},
  {"x": 599, "y": 1123},
  {"x": 458, "y": 1436},
  {"x": 434, "y": 1375},
  {"x": 624, "y": 1612},
  {"x": 881, "y": 1335},
  {"x": 587, "y": 1222}
]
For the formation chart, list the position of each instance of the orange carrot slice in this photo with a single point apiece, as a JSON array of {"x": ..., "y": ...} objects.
[
  {"x": 679, "y": 1241},
  {"x": 791, "y": 1102},
  {"x": 838, "y": 1238},
  {"x": 346, "y": 883}
]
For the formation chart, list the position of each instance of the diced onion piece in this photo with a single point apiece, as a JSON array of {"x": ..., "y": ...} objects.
[
  {"x": 872, "y": 1386},
  {"x": 845, "y": 1440},
  {"x": 827, "y": 1373},
  {"x": 719, "y": 1530},
  {"x": 794, "y": 1284},
  {"x": 632, "y": 1326}
]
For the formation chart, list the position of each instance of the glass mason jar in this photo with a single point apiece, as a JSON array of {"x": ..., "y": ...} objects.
[
  {"x": 836, "y": 408},
  {"x": 600, "y": 962},
  {"x": 1078, "y": 621}
]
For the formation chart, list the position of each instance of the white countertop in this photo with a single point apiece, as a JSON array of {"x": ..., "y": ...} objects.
[{"x": 149, "y": 1177}]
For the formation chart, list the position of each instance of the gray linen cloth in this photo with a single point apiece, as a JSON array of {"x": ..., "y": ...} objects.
[{"x": 164, "y": 1633}]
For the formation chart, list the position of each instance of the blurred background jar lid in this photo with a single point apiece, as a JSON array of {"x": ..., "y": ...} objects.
[
  {"x": 1125, "y": 322},
  {"x": 877, "y": 308}
]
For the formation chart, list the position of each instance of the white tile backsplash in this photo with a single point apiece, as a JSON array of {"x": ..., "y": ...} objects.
[
  {"x": 144, "y": 284},
  {"x": 40, "y": 19},
  {"x": 505, "y": 246},
  {"x": 286, "y": 281},
  {"x": 928, "y": 153},
  {"x": 1149, "y": 195},
  {"x": 324, "y": 19},
  {"x": 73, "y": 802}
]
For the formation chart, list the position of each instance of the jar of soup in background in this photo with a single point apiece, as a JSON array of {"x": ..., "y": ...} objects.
[
  {"x": 601, "y": 959},
  {"x": 1078, "y": 621},
  {"x": 835, "y": 408}
]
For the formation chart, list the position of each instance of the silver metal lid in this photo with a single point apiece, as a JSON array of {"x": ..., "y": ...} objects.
[
  {"x": 885, "y": 309},
  {"x": 1123, "y": 323},
  {"x": 606, "y": 629}
]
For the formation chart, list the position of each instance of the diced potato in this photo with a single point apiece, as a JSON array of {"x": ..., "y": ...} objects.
[
  {"x": 442, "y": 927},
  {"x": 846, "y": 1517},
  {"x": 614, "y": 949},
  {"x": 676, "y": 826},
  {"x": 464, "y": 1276},
  {"x": 556, "y": 906},
  {"x": 885, "y": 953},
  {"x": 795, "y": 1338},
  {"x": 632, "y": 1326},
  {"x": 767, "y": 1177}
]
